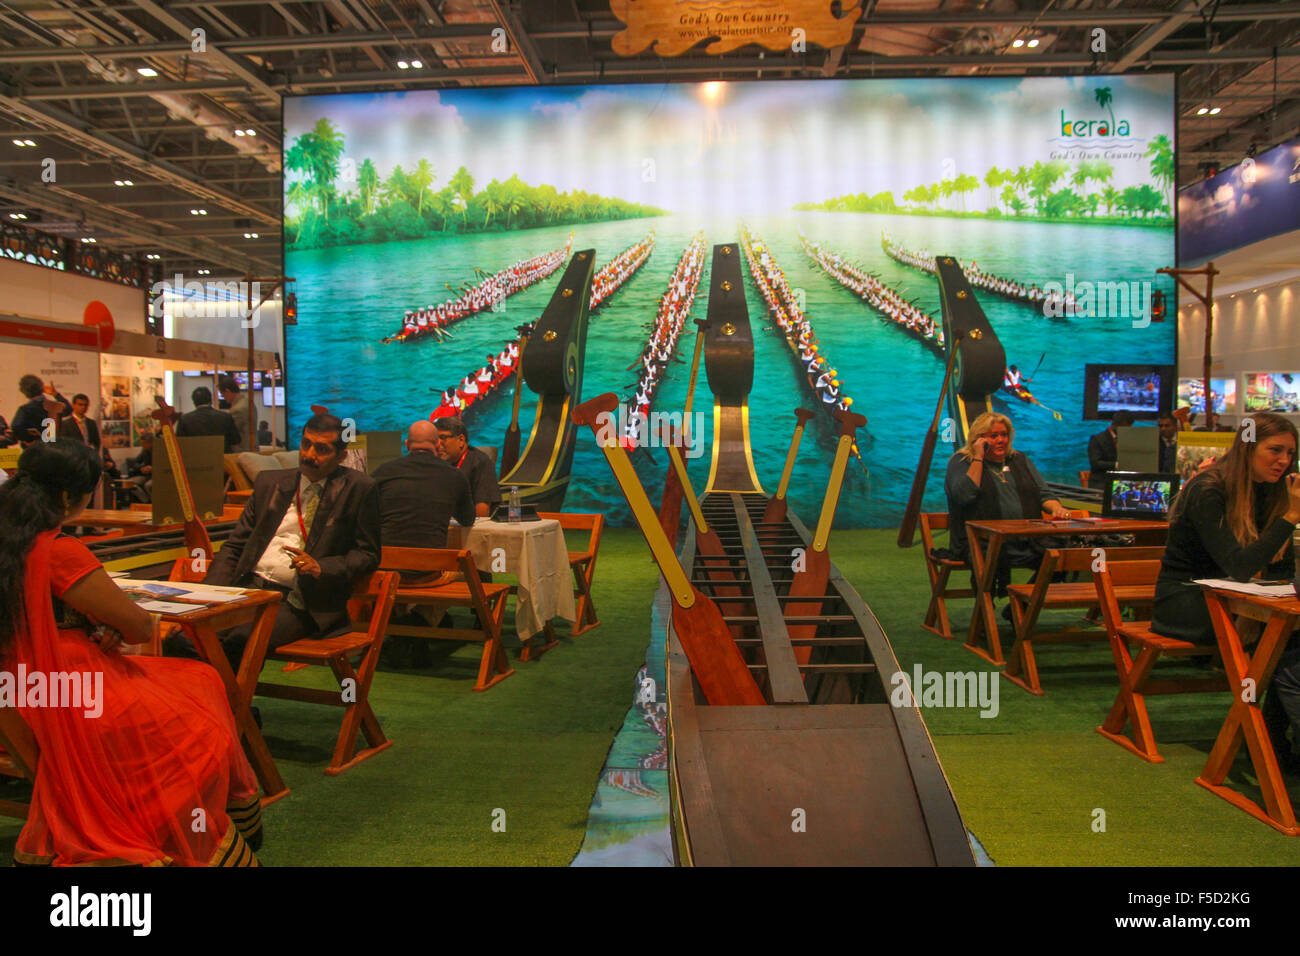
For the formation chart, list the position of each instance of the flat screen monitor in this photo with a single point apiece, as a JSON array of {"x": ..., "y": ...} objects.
[
  {"x": 188, "y": 373},
  {"x": 1140, "y": 495},
  {"x": 1273, "y": 392},
  {"x": 1145, "y": 390},
  {"x": 273, "y": 395},
  {"x": 1224, "y": 391}
]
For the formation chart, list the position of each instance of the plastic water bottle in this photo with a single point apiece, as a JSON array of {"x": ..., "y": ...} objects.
[{"x": 514, "y": 504}]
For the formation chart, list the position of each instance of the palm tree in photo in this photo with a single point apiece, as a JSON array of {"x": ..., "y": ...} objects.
[
  {"x": 1102, "y": 93},
  {"x": 462, "y": 184},
  {"x": 993, "y": 179},
  {"x": 421, "y": 180},
  {"x": 368, "y": 184},
  {"x": 1162, "y": 161},
  {"x": 1110, "y": 198},
  {"x": 1010, "y": 199}
]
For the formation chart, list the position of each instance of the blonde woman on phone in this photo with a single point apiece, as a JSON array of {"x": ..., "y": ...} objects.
[{"x": 988, "y": 479}]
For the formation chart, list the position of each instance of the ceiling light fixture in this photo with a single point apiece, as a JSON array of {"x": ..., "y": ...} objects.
[
  {"x": 18, "y": 215},
  {"x": 403, "y": 65},
  {"x": 198, "y": 212},
  {"x": 87, "y": 238},
  {"x": 417, "y": 65},
  {"x": 1033, "y": 43},
  {"x": 1202, "y": 111},
  {"x": 123, "y": 182},
  {"x": 1017, "y": 43},
  {"x": 250, "y": 132},
  {"x": 205, "y": 272},
  {"x": 152, "y": 256},
  {"x": 250, "y": 235},
  {"x": 239, "y": 132},
  {"x": 146, "y": 71},
  {"x": 1214, "y": 111}
]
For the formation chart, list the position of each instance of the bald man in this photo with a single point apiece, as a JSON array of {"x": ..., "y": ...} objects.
[{"x": 419, "y": 493}]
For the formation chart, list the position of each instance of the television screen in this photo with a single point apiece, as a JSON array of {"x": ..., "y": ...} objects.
[
  {"x": 1144, "y": 390},
  {"x": 1224, "y": 391},
  {"x": 1143, "y": 496},
  {"x": 192, "y": 374},
  {"x": 272, "y": 395},
  {"x": 1272, "y": 391}
]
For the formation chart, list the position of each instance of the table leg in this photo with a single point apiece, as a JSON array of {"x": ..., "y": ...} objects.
[
  {"x": 240, "y": 691},
  {"x": 1246, "y": 720},
  {"x": 984, "y": 619},
  {"x": 530, "y": 652}
]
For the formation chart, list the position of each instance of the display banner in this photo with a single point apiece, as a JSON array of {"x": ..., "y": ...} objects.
[
  {"x": 424, "y": 227},
  {"x": 71, "y": 371},
  {"x": 128, "y": 386},
  {"x": 1253, "y": 200},
  {"x": 674, "y": 26}
]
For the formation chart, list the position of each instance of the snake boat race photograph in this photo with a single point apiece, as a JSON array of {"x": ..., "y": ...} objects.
[{"x": 426, "y": 229}]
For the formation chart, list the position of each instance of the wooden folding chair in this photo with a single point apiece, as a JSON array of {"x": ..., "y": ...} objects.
[
  {"x": 939, "y": 570},
  {"x": 487, "y": 600},
  {"x": 1083, "y": 478},
  {"x": 1028, "y": 601},
  {"x": 373, "y": 594},
  {"x": 19, "y": 757},
  {"x": 1135, "y": 681},
  {"x": 583, "y": 564}
]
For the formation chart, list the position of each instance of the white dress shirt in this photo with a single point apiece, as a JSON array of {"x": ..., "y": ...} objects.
[{"x": 274, "y": 564}]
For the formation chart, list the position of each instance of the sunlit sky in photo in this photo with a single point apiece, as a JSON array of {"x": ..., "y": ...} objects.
[{"x": 745, "y": 148}]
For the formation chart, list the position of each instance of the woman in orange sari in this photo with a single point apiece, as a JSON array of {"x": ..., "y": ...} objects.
[{"x": 140, "y": 762}]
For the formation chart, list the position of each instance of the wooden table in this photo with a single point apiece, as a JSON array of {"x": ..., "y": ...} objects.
[
  {"x": 141, "y": 522},
  {"x": 535, "y": 553},
  {"x": 201, "y": 626},
  {"x": 986, "y": 538},
  {"x": 1245, "y": 721}
]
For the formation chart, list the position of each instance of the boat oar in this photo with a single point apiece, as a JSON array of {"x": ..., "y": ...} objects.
[
  {"x": 776, "y": 505},
  {"x": 907, "y": 530},
  {"x": 701, "y": 326},
  {"x": 716, "y": 663},
  {"x": 1055, "y": 413},
  {"x": 510, "y": 448}
]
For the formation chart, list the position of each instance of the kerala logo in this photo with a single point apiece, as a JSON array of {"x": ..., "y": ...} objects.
[{"x": 1101, "y": 127}]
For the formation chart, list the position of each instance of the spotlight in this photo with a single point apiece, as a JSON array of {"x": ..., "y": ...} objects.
[
  {"x": 153, "y": 256},
  {"x": 123, "y": 182},
  {"x": 250, "y": 235},
  {"x": 239, "y": 132},
  {"x": 29, "y": 142},
  {"x": 18, "y": 215},
  {"x": 88, "y": 239},
  {"x": 403, "y": 65},
  {"x": 1033, "y": 43},
  {"x": 417, "y": 65},
  {"x": 1202, "y": 111},
  {"x": 1215, "y": 111},
  {"x": 146, "y": 71},
  {"x": 198, "y": 212},
  {"x": 250, "y": 132},
  {"x": 1017, "y": 43},
  {"x": 205, "y": 272}
]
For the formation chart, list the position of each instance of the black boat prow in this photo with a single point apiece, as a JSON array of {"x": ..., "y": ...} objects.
[
  {"x": 729, "y": 364},
  {"x": 552, "y": 367},
  {"x": 981, "y": 360}
]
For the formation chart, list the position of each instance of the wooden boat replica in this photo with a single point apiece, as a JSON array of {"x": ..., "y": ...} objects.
[
  {"x": 784, "y": 746},
  {"x": 551, "y": 366}
]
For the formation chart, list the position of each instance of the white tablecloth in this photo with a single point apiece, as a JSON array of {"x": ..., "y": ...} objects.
[{"x": 533, "y": 552}]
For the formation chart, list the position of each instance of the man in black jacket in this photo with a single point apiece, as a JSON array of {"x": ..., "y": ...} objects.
[
  {"x": 309, "y": 533},
  {"x": 29, "y": 420},
  {"x": 79, "y": 426},
  {"x": 206, "y": 420},
  {"x": 1103, "y": 452}
]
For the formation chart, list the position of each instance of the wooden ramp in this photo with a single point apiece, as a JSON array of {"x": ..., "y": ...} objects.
[{"x": 830, "y": 773}]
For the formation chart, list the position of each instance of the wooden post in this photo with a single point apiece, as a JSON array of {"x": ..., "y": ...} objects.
[{"x": 1206, "y": 299}]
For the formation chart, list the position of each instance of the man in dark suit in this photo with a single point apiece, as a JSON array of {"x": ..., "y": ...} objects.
[
  {"x": 309, "y": 534},
  {"x": 206, "y": 420},
  {"x": 1103, "y": 454},
  {"x": 77, "y": 426},
  {"x": 29, "y": 420},
  {"x": 1168, "y": 444}
]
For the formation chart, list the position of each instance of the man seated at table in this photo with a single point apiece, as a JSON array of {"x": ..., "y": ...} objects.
[
  {"x": 140, "y": 470},
  {"x": 418, "y": 496},
  {"x": 308, "y": 533},
  {"x": 988, "y": 479},
  {"x": 453, "y": 442}
]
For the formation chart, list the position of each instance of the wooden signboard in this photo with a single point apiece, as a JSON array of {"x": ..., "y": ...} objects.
[
  {"x": 674, "y": 26},
  {"x": 205, "y": 467}
]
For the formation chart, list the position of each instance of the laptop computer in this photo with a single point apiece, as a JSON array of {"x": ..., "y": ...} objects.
[{"x": 1141, "y": 495}]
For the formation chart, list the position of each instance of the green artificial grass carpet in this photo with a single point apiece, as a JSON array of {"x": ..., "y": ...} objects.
[{"x": 528, "y": 752}]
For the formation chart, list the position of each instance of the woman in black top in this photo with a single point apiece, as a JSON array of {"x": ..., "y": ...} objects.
[{"x": 1233, "y": 521}]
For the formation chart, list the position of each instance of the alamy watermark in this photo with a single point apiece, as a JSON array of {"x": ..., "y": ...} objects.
[
  {"x": 653, "y": 430},
  {"x": 74, "y": 690},
  {"x": 208, "y": 300},
  {"x": 1098, "y": 300},
  {"x": 946, "y": 689}
]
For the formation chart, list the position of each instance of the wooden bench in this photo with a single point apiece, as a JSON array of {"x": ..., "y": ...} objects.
[
  {"x": 371, "y": 605},
  {"x": 939, "y": 570},
  {"x": 1028, "y": 601},
  {"x": 582, "y": 564},
  {"x": 487, "y": 600},
  {"x": 1135, "y": 681}
]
